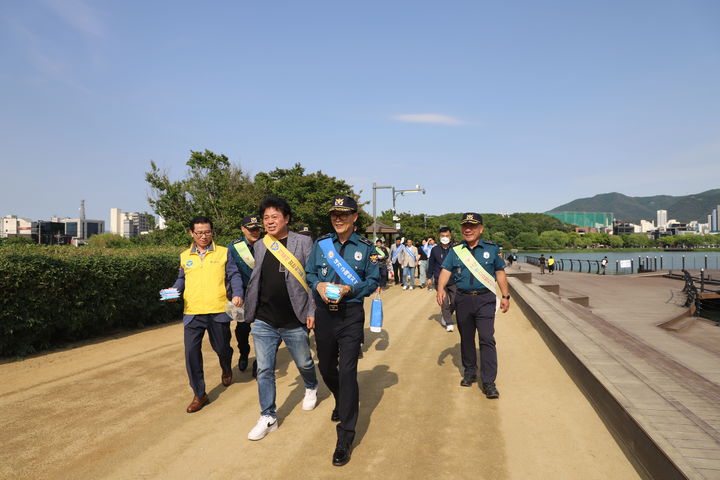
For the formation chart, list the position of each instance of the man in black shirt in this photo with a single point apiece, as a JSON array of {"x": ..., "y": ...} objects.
[{"x": 281, "y": 309}]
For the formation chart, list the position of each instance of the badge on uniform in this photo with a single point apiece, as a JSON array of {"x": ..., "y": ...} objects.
[
  {"x": 373, "y": 258},
  {"x": 358, "y": 256},
  {"x": 324, "y": 271},
  {"x": 486, "y": 255}
]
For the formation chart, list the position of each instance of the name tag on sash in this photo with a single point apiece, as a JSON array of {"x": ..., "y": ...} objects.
[
  {"x": 475, "y": 268},
  {"x": 242, "y": 249},
  {"x": 286, "y": 258},
  {"x": 341, "y": 267}
]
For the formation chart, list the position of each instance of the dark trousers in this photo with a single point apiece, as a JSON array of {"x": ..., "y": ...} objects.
[
  {"x": 383, "y": 276},
  {"x": 242, "y": 335},
  {"x": 477, "y": 313},
  {"x": 397, "y": 270},
  {"x": 448, "y": 306},
  {"x": 219, "y": 333},
  {"x": 338, "y": 336}
]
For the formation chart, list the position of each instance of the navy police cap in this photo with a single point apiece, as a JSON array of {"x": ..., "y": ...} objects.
[
  {"x": 304, "y": 230},
  {"x": 344, "y": 204},
  {"x": 251, "y": 221},
  {"x": 471, "y": 217}
]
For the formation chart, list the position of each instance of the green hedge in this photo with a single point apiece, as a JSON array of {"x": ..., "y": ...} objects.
[{"x": 49, "y": 298}]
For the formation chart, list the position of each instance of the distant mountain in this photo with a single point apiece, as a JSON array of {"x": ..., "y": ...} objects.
[{"x": 632, "y": 209}]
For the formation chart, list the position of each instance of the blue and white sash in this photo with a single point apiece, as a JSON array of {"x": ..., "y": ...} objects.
[
  {"x": 427, "y": 249},
  {"x": 409, "y": 252},
  {"x": 341, "y": 267},
  {"x": 396, "y": 253}
]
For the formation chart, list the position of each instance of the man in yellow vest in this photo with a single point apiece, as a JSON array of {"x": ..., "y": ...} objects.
[
  {"x": 477, "y": 269},
  {"x": 206, "y": 270}
]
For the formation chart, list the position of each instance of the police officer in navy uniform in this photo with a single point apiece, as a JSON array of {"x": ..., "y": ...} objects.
[
  {"x": 339, "y": 324},
  {"x": 252, "y": 232},
  {"x": 475, "y": 303}
]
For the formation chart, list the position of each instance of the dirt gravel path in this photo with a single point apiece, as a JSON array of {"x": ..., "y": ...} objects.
[{"x": 115, "y": 409}]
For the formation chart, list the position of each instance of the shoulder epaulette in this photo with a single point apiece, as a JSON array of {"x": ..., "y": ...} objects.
[
  {"x": 365, "y": 241},
  {"x": 489, "y": 242},
  {"x": 238, "y": 240},
  {"x": 327, "y": 235}
]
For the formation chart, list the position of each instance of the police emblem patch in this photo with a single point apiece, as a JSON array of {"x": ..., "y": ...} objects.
[
  {"x": 189, "y": 263},
  {"x": 324, "y": 271},
  {"x": 358, "y": 256},
  {"x": 373, "y": 258},
  {"x": 330, "y": 254},
  {"x": 486, "y": 255}
]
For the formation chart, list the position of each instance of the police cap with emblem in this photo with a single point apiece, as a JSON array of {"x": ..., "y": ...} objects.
[
  {"x": 344, "y": 205},
  {"x": 304, "y": 230},
  {"x": 471, "y": 217},
  {"x": 251, "y": 221}
]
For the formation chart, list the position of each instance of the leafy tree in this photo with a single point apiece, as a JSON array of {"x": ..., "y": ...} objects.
[
  {"x": 527, "y": 240},
  {"x": 616, "y": 241},
  {"x": 309, "y": 195},
  {"x": 553, "y": 239}
]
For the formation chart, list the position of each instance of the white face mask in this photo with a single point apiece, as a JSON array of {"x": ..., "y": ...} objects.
[{"x": 444, "y": 240}]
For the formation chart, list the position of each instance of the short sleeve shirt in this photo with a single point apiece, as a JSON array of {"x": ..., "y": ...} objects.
[{"x": 487, "y": 255}]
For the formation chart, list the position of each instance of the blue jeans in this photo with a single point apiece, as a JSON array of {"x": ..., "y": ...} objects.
[
  {"x": 266, "y": 340},
  {"x": 409, "y": 276},
  {"x": 422, "y": 266}
]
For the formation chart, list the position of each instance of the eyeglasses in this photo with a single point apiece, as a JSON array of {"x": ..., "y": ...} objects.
[{"x": 203, "y": 234}]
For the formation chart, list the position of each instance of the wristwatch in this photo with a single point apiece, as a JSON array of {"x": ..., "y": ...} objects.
[{"x": 506, "y": 297}]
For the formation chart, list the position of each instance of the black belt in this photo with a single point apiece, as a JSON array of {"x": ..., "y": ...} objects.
[
  {"x": 339, "y": 307},
  {"x": 474, "y": 292}
]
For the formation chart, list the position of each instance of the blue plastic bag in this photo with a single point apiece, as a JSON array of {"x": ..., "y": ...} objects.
[{"x": 376, "y": 315}]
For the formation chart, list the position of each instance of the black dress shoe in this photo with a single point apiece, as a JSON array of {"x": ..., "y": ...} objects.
[
  {"x": 254, "y": 373},
  {"x": 335, "y": 417},
  {"x": 467, "y": 381},
  {"x": 490, "y": 390},
  {"x": 243, "y": 363},
  {"x": 341, "y": 455}
]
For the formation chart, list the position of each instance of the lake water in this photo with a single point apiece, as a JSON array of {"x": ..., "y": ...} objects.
[{"x": 660, "y": 260}]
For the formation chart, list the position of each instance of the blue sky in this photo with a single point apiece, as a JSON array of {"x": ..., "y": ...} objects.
[{"x": 490, "y": 106}]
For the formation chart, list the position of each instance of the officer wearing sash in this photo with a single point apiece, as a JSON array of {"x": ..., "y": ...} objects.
[
  {"x": 475, "y": 265},
  {"x": 281, "y": 308},
  {"x": 342, "y": 270},
  {"x": 242, "y": 252}
]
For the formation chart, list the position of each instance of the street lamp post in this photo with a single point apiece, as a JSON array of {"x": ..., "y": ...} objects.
[{"x": 395, "y": 193}]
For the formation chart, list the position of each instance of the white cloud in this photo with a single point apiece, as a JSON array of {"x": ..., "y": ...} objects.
[
  {"x": 78, "y": 15},
  {"x": 433, "y": 118}
]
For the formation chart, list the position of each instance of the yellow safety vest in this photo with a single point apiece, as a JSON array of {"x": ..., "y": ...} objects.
[{"x": 204, "y": 281}]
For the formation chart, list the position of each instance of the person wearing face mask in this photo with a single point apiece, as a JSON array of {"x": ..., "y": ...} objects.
[{"x": 435, "y": 261}]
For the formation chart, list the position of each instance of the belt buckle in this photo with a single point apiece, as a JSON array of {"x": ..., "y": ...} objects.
[{"x": 333, "y": 307}]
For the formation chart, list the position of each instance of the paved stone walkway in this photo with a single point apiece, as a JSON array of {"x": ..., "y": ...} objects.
[{"x": 669, "y": 381}]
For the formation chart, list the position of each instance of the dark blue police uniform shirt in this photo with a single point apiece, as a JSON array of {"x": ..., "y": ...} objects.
[
  {"x": 357, "y": 254},
  {"x": 487, "y": 255}
]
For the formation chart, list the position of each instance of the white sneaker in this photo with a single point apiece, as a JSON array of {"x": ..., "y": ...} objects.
[
  {"x": 411, "y": 287},
  {"x": 310, "y": 398},
  {"x": 404, "y": 287},
  {"x": 265, "y": 425},
  {"x": 450, "y": 328}
]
